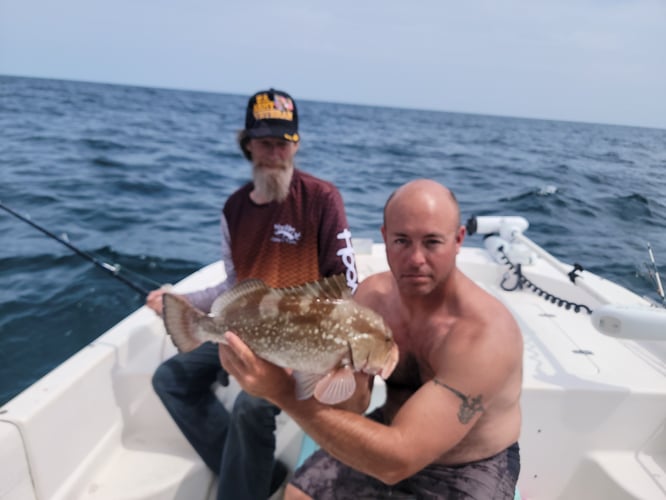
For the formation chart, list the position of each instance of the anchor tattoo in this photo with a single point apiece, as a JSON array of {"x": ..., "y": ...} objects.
[{"x": 469, "y": 406}]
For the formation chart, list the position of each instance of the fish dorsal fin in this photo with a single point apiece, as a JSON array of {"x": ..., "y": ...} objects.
[
  {"x": 332, "y": 287},
  {"x": 245, "y": 287}
]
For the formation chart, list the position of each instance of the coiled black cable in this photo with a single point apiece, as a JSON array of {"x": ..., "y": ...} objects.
[{"x": 522, "y": 282}]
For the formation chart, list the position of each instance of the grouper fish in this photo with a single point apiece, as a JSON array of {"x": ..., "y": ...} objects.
[{"x": 316, "y": 329}]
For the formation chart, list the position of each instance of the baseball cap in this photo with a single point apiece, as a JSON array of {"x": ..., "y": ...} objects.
[{"x": 271, "y": 113}]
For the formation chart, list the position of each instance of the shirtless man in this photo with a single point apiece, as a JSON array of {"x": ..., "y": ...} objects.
[{"x": 450, "y": 425}]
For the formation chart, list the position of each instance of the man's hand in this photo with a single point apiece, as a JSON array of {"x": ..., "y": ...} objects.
[
  {"x": 255, "y": 375},
  {"x": 154, "y": 300}
]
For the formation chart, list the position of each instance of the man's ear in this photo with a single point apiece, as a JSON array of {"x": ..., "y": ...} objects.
[{"x": 460, "y": 237}]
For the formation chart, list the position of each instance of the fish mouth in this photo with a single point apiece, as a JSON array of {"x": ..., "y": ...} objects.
[
  {"x": 384, "y": 371},
  {"x": 391, "y": 362}
]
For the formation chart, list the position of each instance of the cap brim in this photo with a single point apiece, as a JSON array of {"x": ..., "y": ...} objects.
[{"x": 278, "y": 132}]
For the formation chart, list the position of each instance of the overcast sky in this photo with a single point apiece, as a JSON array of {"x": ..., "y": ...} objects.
[{"x": 600, "y": 61}]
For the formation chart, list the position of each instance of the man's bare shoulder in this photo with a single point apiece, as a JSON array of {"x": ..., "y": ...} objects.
[
  {"x": 483, "y": 311},
  {"x": 374, "y": 289},
  {"x": 377, "y": 283},
  {"x": 495, "y": 334},
  {"x": 482, "y": 332}
]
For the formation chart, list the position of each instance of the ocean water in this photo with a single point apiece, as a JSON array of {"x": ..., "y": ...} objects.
[{"x": 136, "y": 177}]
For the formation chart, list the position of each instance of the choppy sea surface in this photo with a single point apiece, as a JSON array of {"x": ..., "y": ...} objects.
[{"x": 136, "y": 177}]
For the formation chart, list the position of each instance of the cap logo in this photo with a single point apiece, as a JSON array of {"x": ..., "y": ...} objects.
[{"x": 282, "y": 108}]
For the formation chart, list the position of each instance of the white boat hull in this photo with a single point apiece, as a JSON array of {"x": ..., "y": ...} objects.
[{"x": 594, "y": 406}]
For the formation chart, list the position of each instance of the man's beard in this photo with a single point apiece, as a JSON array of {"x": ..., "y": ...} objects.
[{"x": 273, "y": 183}]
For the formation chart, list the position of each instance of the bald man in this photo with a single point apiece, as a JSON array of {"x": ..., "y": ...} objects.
[{"x": 451, "y": 421}]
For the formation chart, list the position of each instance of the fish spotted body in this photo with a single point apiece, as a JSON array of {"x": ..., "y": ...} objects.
[{"x": 316, "y": 329}]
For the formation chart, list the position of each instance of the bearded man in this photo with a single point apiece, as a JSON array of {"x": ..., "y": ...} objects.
[{"x": 286, "y": 227}]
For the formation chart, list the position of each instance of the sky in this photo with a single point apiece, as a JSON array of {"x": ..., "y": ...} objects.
[{"x": 599, "y": 61}]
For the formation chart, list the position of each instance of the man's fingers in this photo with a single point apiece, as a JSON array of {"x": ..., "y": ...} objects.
[
  {"x": 235, "y": 353},
  {"x": 154, "y": 300},
  {"x": 239, "y": 348},
  {"x": 234, "y": 341},
  {"x": 230, "y": 362}
]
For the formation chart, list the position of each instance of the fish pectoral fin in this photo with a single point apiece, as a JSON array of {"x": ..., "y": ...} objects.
[
  {"x": 306, "y": 383},
  {"x": 336, "y": 386}
]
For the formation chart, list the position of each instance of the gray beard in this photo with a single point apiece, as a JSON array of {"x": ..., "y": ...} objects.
[{"x": 273, "y": 184}]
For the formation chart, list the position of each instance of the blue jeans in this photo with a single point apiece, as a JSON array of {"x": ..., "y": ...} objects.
[{"x": 240, "y": 445}]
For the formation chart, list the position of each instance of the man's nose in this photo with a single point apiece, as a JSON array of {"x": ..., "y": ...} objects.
[
  {"x": 273, "y": 150},
  {"x": 417, "y": 255}
]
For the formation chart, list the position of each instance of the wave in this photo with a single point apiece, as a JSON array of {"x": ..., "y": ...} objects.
[{"x": 133, "y": 172}]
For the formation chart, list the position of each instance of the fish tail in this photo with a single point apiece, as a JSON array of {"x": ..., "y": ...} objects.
[{"x": 181, "y": 320}]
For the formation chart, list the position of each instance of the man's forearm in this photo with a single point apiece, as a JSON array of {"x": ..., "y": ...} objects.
[
  {"x": 370, "y": 447},
  {"x": 361, "y": 443}
]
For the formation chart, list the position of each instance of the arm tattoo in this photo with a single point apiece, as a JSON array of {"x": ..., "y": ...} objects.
[{"x": 469, "y": 405}]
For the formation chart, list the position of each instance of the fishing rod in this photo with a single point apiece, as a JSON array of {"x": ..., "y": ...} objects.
[
  {"x": 655, "y": 271},
  {"x": 112, "y": 270}
]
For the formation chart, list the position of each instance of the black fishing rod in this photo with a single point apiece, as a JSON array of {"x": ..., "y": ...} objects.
[{"x": 113, "y": 270}]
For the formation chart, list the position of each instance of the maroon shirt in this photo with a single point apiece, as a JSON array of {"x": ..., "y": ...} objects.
[{"x": 302, "y": 239}]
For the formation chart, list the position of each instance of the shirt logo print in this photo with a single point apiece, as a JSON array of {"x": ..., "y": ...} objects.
[
  {"x": 284, "y": 233},
  {"x": 348, "y": 257}
]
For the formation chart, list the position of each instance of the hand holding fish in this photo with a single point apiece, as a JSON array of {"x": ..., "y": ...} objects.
[
  {"x": 255, "y": 375},
  {"x": 154, "y": 300}
]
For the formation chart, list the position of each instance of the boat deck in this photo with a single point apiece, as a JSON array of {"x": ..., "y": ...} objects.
[{"x": 594, "y": 409}]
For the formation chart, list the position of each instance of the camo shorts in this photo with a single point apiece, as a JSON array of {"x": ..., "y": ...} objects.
[{"x": 324, "y": 478}]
